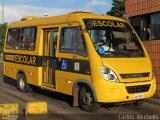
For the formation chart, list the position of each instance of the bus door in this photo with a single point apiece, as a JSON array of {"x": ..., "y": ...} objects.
[{"x": 49, "y": 59}]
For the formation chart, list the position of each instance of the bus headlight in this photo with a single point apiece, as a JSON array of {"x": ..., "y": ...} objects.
[{"x": 109, "y": 74}]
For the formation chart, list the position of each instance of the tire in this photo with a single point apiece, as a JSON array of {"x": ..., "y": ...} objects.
[
  {"x": 87, "y": 100},
  {"x": 5, "y": 78},
  {"x": 22, "y": 84},
  {"x": 139, "y": 103}
]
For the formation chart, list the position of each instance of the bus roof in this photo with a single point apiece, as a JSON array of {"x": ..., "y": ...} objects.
[{"x": 76, "y": 16}]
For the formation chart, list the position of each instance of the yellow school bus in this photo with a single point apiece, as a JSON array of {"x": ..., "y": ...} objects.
[{"x": 94, "y": 58}]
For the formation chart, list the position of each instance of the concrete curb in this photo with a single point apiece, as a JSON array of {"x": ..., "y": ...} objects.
[{"x": 155, "y": 101}]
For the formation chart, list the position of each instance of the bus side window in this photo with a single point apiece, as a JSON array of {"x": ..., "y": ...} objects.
[
  {"x": 13, "y": 39},
  {"x": 28, "y": 38},
  {"x": 72, "y": 41},
  {"x": 55, "y": 38}
]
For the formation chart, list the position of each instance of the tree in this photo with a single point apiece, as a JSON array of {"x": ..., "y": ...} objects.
[
  {"x": 3, "y": 28},
  {"x": 118, "y": 8}
]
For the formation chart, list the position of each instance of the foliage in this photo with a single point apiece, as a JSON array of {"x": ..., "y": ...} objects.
[
  {"x": 1, "y": 58},
  {"x": 118, "y": 8},
  {"x": 3, "y": 28}
]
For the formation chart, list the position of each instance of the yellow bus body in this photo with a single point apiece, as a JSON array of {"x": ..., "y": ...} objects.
[{"x": 66, "y": 81}]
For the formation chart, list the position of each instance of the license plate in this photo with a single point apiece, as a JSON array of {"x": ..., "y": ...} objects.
[{"x": 138, "y": 96}]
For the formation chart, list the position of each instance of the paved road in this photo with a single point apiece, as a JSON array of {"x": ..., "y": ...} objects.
[{"x": 60, "y": 106}]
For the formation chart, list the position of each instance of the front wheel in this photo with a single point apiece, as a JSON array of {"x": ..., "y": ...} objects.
[
  {"x": 139, "y": 103},
  {"x": 22, "y": 84},
  {"x": 87, "y": 100}
]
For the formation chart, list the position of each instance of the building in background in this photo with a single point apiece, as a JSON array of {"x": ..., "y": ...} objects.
[{"x": 144, "y": 16}]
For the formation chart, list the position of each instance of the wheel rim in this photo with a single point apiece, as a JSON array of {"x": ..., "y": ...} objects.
[
  {"x": 21, "y": 83},
  {"x": 86, "y": 97}
]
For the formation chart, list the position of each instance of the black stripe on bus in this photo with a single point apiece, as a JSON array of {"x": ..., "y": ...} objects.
[
  {"x": 62, "y": 64},
  {"x": 73, "y": 65},
  {"x": 30, "y": 60}
]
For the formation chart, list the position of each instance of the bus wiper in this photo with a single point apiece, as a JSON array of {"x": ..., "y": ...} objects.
[
  {"x": 125, "y": 53},
  {"x": 138, "y": 52},
  {"x": 120, "y": 52}
]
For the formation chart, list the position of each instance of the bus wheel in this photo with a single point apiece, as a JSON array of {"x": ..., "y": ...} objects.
[
  {"x": 139, "y": 103},
  {"x": 22, "y": 84},
  {"x": 5, "y": 78},
  {"x": 86, "y": 100}
]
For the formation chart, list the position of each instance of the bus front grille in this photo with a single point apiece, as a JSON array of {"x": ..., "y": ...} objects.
[
  {"x": 137, "y": 89},
  {"x": 135, "y": 75}
]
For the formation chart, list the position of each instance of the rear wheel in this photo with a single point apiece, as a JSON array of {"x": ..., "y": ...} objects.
[
  {"x": 22, "y": 84},
  {"x": 87, "y": 100}
]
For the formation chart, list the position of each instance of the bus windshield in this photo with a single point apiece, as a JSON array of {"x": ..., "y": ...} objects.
[{"x": 114, "y": 38}]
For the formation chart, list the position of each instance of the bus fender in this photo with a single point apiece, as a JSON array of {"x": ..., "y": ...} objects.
[
  {"x": 23, "y": 72},
  {"x": 75, "y": 90}
]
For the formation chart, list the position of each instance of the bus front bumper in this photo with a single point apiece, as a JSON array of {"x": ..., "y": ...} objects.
[{"x": 111, "y": 92}]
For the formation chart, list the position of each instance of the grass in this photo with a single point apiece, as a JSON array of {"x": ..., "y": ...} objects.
[{"x": 1, "y": 58}]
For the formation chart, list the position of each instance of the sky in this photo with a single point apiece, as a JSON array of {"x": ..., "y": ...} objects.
[{"x": 16, "y": 9}]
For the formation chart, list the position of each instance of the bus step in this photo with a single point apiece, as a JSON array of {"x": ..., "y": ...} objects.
[{"x": 48, "y": 88}]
